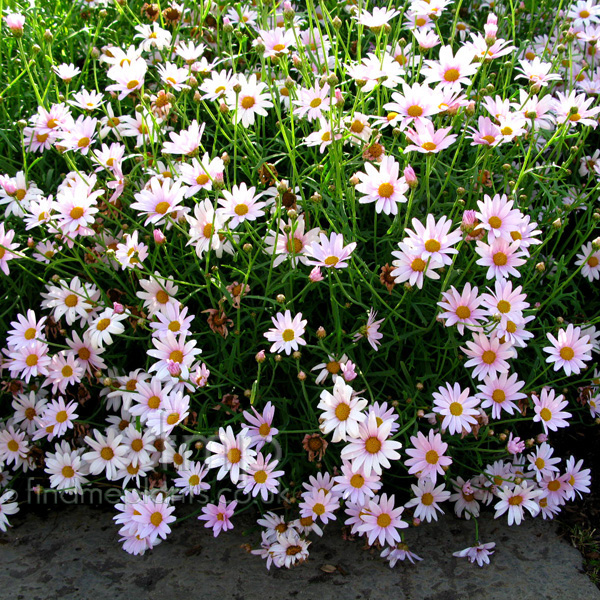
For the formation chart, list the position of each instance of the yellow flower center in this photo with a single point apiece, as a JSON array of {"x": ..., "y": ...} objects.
[
  {"x": 162, "y": 207},
  {"x": 234, "y": 455},
  {"x": 373, "y": 445},
  {"x": 384, "y": 520},
  {"x": 545, "y": 414},
  {"x": 495, "y": 222},
  {"x": 315, "y": 103},
  {"x": 156, "y": 519},
  {"x": 67, "y": 371},
  {"x": 498, "y": 396},
  {"x": 102, "y": 324},
  {"x": 451, "y": 75},
  {"x": 488, "y": 357},
  {"x": 248, "y": 102},
  {"x": 202, "y": 179},
  {"x": 456, "y": 409},
  {"x": 429, "y": 146},
  {"x": 342, "y": 411},
  {"x": 76, "y": 213},
  {"x": 287, "y": 335},
  {"x": 162, "y": 297},
  {"x": 241, "y": 209},
  {"x": 432, "y": 246},
  {"x": 153, "y": 402},
  {"x": 260, "y": 476},
  {"x": 504, "y": 306},
  {"x": 107, "y": 453},
  {"x": 67, "y": 472},
  {"x": 176, "y": 356},
  {"x": 567, "y": 353},
  {"x": 427, "y": 499},
  {"x": 415, "y": 111},
  {"x": 418, "y": 264},
  {"x": 385, "y": 190},
  {"x": 500, "y": 259},
  {"x": 463, "y": 312},
  {"x": 357, "y": 481},
  {"x": 31, "y": 360}
]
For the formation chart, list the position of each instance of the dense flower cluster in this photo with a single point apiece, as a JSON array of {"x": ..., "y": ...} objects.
[{"x": 281, "y": 255}]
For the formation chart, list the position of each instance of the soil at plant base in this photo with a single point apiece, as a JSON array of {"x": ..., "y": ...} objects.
[{"x": 73, "y": 553}]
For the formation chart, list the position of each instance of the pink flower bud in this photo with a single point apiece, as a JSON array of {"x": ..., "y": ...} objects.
[
  {"x": 541, "y": 438},
  {"x": 339, "y": 98},
  {"x": 515, "y": 445},
  {"x": 260, "y": 357},
  {"x": 159, "y": 236},
  {"x": 315, "y": 275},
  {"x": 348, "y": 371},
  {"x": 15, "y": 22},
  {"x": 118, "y": 308},
  {"x": 174, "y": 368},
  {"x": 411, "y": 177}
]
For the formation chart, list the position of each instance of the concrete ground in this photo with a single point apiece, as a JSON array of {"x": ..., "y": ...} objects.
[{"x": 72, "y": 553}]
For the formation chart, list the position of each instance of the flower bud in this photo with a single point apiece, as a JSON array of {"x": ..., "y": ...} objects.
[
  {"x": 159, "y": 236},
  {"x": 260, "y": 357},
  {"x": 297, "y": 355},
  {"x": 247, "y": 247},
  {"x": 411, "y": 177},
  {"x": 280, "y": 298},
  {"x": 321, "y": 333}
]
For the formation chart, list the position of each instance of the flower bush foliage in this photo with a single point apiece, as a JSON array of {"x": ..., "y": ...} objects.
[{"x": 334, "y": 260}]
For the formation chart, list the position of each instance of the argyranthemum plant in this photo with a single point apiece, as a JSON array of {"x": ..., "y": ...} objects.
[{"x": 335, "y": 260}]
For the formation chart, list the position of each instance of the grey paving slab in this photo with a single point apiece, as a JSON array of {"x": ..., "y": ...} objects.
[{"x": 73, "y": 554}]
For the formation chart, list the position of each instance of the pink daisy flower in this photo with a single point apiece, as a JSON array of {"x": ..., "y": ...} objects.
[
  {"x": 354, "y": 485},
  {"x": 549, "y": 410},
  {"x": 427, "y": 456},
  {"x": 232, "y": 455},
  {"x": 480, "y": 553},
  {"x": 410, "y": 267},
  {"x": 190, "y": 480},
  {"x": 384, "y": 187},
  {"x": 370, "y": 331},
  {"x": 261, "y": 477},
  {"x": 462, "y": 309},
  {"x": 382, "y": 521},
  {"x": 415, "y": 103},
  {"x": 342, "y": 411},
  {"x": 218, "y": 516},
  {"x": 541, "y": 461},
  {"x": 427, "y": 140},
  {"x": 261, "y": 430},
  {"x": 152, "y": 517},
  {"x": 187, "y": 141},
  {"x": 288, "y": 332},
  {"x": 451, "y": 68},
  {"x": 29, "y": 360},
  {"x": 372, "y": 449},
  {"x": 426, "y": 499},
  {"x": 569, "y": 351},
  {"x": 457, "y": 408},
  {"x": 251, "y": 100},
  {"x": 291, "y": 242},
  {"x": 501, "y": 257},
  {"x": 433, "y": 241},
  {"x": 500, "y": 393},
  {"x": 312, "y": 102},
  {"x": 506, "y": 302},
  {"x": 486, "y": 134},
  {"x": 515, "y": 501},
  {"x": 498, "y": 217},
  {"x": 159, "y": 199},
  {"x": 589, "y": 258},
  {"x": 330, "y": 252},
  {"x": 107, "y": 454},
  {"x": 241, "y": 204},
  {"x": 319, "y": 504},
  {"x": 7, "y": 248},
  {"x": 488, "y": 356}
]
